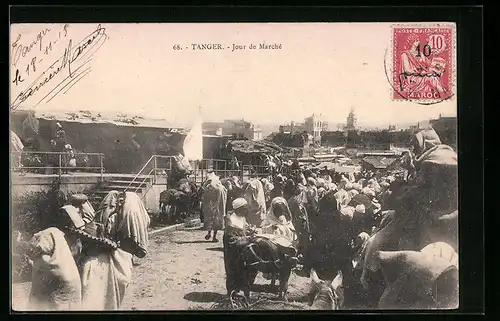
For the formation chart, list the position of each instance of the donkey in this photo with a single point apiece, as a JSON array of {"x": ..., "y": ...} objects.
[
  {"x": 326, "y": 295},
  {"x": 266, "y": 256},
  {"x": 323, "y": 295}
]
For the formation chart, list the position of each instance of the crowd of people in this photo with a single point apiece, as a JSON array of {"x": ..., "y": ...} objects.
[
  {"x": 83, "y": 259},
  {"x": 341, "y": 221},
  {"x": 336, "y": 222}
]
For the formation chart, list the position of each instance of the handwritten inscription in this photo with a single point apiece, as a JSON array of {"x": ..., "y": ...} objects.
[
  {"x": 74, "y": 62},
  {"x": 38, "y": 45},
  {"x": 233, "y": 47}
]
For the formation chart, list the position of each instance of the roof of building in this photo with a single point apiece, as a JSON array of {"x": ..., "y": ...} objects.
[
  {"x": 379, "y": 162},
  {"x": 249, "y": 146},
  {"x": 85, "y": 117}
]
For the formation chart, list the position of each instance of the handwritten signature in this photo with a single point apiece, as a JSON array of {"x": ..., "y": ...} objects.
[
  {"x": 75, "y": 60},
  {"x": 424, "y": 75},
  {"x": 405, "y": 75}
]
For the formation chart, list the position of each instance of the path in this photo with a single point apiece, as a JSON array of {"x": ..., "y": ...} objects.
[{"x": 181, "y": 271}]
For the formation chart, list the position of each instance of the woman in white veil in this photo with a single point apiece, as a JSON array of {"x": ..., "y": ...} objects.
[
  {"x": 106, "y": 273},
  {"x": 278, "y": 220}
]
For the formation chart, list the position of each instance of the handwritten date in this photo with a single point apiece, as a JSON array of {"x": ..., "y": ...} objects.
[{"x": 74, "y": 60}]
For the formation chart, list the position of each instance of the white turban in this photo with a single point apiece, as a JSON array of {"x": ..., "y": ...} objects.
[
  {"x": 360, "y": 208},
  {"x": 239, "y": 202}
]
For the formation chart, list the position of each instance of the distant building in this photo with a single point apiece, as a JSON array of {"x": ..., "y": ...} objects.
[
  {"x": 292, "y": 128},
  {"x": 212, "y": 128},
  {"x": 415, "y": 128},
  {"x": 351, "y": 121},
  {"x": 240, "y": 129},
  {"x": 316, "y": 124}
]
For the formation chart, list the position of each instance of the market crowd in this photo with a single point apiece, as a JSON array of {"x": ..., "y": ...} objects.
[{"x": 344, "y": 221}]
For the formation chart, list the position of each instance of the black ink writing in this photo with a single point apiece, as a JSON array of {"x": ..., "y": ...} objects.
[
  {"x": 72, "y": 60},
  {"x": 20, "y": 50},
  {"x": 426, "y": 51},
  {"x": 406, "y": 75},
  {"x": 17, "y": 79}
]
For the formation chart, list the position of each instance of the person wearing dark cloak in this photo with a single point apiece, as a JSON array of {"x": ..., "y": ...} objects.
[
  {"x": 237, "y": 235},
  {"x": 331, "y": 233},
  {"x": 423, "y": 207},
  {"x": 214, "y": 198},
  {"x": 297, "y": 204},
  {"x": 289, "y": 189},
  {"x": 55, "y": 199}
]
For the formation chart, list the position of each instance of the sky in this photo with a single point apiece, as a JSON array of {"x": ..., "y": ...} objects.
[{"x": 322, "y": 68}]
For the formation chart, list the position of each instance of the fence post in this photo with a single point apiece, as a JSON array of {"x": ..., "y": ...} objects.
[
  {"x": 101, "y": 162},
  {"x": 154, "y": 169},
  {"x": 203, "y": 162},
  {"x": 60, "y": 165}
]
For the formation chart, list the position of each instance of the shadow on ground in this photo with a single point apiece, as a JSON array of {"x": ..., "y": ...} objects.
[
  {"x": 216, "y": 249},
  {"x": 265, "y": 288},
  {"x": 204, "y": 297},
  {"x": 193, "y": 242}
]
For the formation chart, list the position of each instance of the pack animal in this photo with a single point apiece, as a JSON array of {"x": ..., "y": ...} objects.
[
  {"x": 323, "y": 295},
  {"x": 180, "y": 201},
  {"x": 263, "y": 255}
]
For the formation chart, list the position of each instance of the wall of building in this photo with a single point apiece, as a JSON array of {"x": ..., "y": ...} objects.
[
  {"x": 115, "y": 142},
  {"x": 73, "y": 184},
  {"x": 315, "y": 125},
  {"x": 121, "y": 154},
  {"x": 238, "y": 128},
  {"x": 21, "y": 185}
]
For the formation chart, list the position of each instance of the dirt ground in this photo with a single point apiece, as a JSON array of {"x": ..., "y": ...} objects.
[{"x": 182, "y": 271}]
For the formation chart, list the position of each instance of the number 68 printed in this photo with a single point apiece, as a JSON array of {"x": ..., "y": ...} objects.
[{"x": 436, "y": 44}]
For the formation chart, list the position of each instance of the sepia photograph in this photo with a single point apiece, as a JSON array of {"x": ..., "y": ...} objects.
[{"x": 234, "y": 166}]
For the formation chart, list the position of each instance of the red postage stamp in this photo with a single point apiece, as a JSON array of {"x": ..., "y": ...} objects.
[{"x": 424, "y": 62}]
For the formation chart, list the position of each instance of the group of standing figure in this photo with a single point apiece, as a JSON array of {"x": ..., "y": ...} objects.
[{"x": 84, "y": 260}]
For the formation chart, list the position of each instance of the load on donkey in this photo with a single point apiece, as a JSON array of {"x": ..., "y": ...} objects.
[
  {"x": 267, "y": 245},
  {"x": 262, "y": 156}
]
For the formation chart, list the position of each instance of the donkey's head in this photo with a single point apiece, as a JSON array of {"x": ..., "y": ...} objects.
[{"x": 326, "y": 295}]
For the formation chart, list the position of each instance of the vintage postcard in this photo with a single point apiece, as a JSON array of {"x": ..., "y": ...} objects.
[{"x": 234, "y": 166}]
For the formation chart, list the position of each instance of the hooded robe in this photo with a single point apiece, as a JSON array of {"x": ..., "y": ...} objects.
[
  {"x": 254, "y": 195},
  {"x": 55, "y": 281},
  {"x": 417, "y": 211},
  {"x": 214, "y": 200},
  {"x": 106, "y": 274}
]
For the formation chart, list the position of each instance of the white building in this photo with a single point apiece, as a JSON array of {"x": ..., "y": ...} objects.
[{"x": 316, "y": 124}]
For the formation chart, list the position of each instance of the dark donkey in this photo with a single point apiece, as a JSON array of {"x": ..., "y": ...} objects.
[{"x": 266, "y": 256}]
